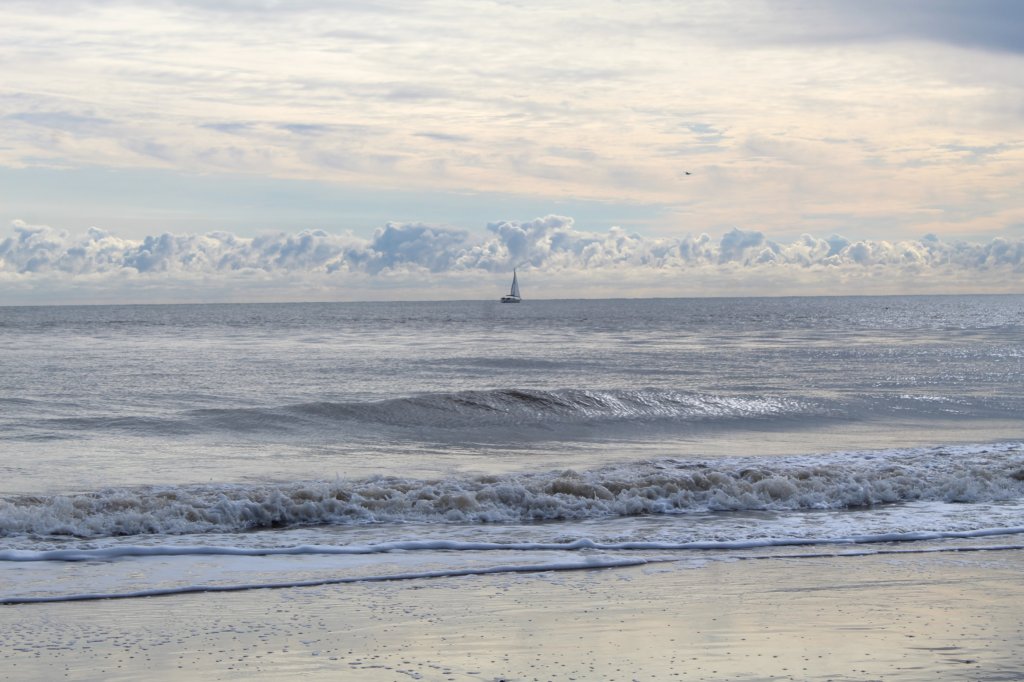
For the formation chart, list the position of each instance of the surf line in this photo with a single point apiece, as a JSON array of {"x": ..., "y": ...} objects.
[
  {"x": 589, "y": 565},
  {"x": 112, "y": 553},
  {"x": 880, "y": 552}
]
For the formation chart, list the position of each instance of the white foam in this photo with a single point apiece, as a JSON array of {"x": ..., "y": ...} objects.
[
  {"x": 126, "y": 551},
  {"x": 965, "y": 474}
]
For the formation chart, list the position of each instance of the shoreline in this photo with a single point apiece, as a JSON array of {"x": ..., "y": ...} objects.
[{"x": 880, "y": 616}]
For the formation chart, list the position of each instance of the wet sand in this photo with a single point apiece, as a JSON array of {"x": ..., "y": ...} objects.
[{"x": 933, "y": 616}]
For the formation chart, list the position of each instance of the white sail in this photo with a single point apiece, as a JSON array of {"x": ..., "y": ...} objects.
[{"x": 513, "y": 294}]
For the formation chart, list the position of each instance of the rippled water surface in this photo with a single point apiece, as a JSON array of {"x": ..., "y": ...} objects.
[{"x": 599, "y": 431}]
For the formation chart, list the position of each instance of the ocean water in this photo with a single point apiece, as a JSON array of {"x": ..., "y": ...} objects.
[{"x": 168, "y": 449}]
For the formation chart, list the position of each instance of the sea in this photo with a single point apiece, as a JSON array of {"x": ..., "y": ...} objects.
[{"x": 154, "y": 450}]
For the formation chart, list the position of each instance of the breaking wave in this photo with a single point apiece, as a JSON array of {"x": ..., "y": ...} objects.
[{"x": 842, "y": 481}]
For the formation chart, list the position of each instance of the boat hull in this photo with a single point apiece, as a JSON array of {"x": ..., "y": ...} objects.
[{"x": 510, "y": 299}]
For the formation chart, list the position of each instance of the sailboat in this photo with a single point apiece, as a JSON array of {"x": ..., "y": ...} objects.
[{"x": 513, "y": 294}]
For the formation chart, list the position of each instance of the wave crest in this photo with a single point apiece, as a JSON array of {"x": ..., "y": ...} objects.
[
  {"x": 981, "y": 473},
  {"x": 513, "y": 406}
]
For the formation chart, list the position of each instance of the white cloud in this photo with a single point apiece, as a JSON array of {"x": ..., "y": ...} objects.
[
  {"x": 785, "y": 111},
  {"x": 42, "y": 264}
]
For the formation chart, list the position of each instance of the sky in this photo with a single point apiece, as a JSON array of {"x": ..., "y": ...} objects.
[{"x": 202, "y": 150}]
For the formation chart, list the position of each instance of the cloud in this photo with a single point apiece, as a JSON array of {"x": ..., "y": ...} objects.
[
  {"x": 589, "y": 103},
  {"x": 46, "y": 263},
  {"x": 60, "y": 120},
  {"x": 993, "y": 25},
  {"x": 412, "y": 245}
]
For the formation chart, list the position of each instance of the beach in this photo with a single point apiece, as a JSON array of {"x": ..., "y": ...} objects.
[
  {"x": 504, "y": 341},
  {"x": 912, "y": 616}
]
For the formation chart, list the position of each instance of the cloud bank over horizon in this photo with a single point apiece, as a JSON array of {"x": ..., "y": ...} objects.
[{"x": 41, "y": 264}]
